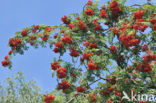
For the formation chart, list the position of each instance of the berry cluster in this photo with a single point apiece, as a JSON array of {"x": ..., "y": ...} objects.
[
  {"x": 89, "y": 2},
  {"x": 61, "y": 72},
  {"x": 113, "y": 49},
  {"x": 115, "y": 30},
  {"x": 92, "y": 97},
  {"x": 145, "y": 47},
  {"x": 86, "y": 56},
  {"x": 80, "y": 89},
  {"x": 139, "y": 26},
  {"x": 15, "y": 42},
  {"x": 149, "y": 57},
  {"x": 24, "y": 32},
  {"x": 117, "y": 91},
  {"x": 74, "y": 53},
  {"x": 103, "y": 13},
  {"x": 92, "y": 65},
  {"x": 67, "y": 39},
  {"x": 97, "y": 27},
  {"x": 58, "y": 45},
  {"x": 91, "y": 45},
  {"x": 153, "y": 22},
  {"x": 45, "y": 37},
  {"x": 89, "y": 12},
  {"x": 129, "y": 40},
  {"x": 82, "y": 26},
  {"x": 55, "y": 66},
  {"x": 5, "y": 63},
  {"x": 48, "y": 98},
  {"x": 65, "y": 19},
  {"x": 112, "y": 81},
  {"x": 144, "y": 67},
  {"x": 71, "y": 26},
  {"x": 107, "y": 91},
  {"x": 64, "y": 85},
  {"x": 138, "y": 15},
  {"x": 115, "y": 9},
  {"x": 35, "y": 28}
]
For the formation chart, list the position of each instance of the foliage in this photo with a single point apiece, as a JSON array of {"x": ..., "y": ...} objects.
[{"x": 17, "y": 90}]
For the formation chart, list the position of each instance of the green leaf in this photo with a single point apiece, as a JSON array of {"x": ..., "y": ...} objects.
[
  {"x": 110, "y": 37},
  {"x": 74, "y": 14},
  {"x": 54, "y": 60},
  {"x": 53, "y": 74},
  {"x": 96, "y": 1},
  {"x": 103, "y": 20},
  {"x": 95, "y": 50},
  {"x": 54, "y": 26},
  {"x": 147, "y": 23},
  {"x": 76, "y": 37},
  {"x": 122, "y": 1}
]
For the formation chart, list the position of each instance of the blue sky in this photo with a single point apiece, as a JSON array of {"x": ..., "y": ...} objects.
[{"x": 18, "y": 14}]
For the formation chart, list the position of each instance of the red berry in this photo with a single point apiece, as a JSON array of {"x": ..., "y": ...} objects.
[
  {"x": 48, "y": 98},
  {"x": 80, "y": 89},
  {"x": 89, "y": 12},
  {"x": 5, "y": 63},
  {"x": 24, "y": 32},
  {"x": 55, "y": 65}
]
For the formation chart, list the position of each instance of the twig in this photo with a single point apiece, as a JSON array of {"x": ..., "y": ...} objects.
[
  {"x": 70, "y": 101},
  {"x": 135, "y": 5},
  {"x": 94, "y": 82}
]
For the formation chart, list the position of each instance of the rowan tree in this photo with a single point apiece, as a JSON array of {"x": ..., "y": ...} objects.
[{"x": 113, "y": 49}]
